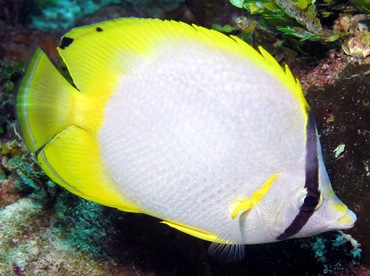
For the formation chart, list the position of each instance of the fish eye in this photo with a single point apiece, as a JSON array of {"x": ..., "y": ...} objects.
[{"x": 308, "y": 200}]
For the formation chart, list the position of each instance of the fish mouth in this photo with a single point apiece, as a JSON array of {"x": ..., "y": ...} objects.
[{"x": 347, "y": 220}]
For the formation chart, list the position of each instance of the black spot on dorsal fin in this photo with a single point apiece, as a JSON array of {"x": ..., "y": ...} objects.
[
  {"x": 98, "y": 29},
  {"x": 66, "y": 41}
]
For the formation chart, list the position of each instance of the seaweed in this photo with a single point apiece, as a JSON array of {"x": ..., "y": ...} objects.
[{"x": 303, "y": 22}]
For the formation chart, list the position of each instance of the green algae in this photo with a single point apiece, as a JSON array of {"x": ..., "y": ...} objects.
[
  {"x": 293, "y": 18},
  {"x": 298, "y": 22},
  {"x": 10, "y": 72},
  {"x": 363, "y": 5},
  {"x": 85, "y": 226}
]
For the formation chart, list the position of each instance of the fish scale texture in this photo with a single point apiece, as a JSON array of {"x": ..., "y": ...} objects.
[{"x": 179, "y": 136}]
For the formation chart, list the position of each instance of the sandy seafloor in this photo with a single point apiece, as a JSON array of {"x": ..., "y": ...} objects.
[{"x": 45, "y": 230}]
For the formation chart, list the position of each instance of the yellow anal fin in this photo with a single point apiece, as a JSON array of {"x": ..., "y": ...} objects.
[
  {"x": 192, "y": 231},
  {"x": 72, "y": 160}
]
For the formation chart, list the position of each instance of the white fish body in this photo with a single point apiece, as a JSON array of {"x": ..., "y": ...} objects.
[{"x": 184, "y": 124}]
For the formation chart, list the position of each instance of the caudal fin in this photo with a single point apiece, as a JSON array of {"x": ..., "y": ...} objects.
[
  {"x": 43, "y": 102},
  {"x": 66, "y": 151}
]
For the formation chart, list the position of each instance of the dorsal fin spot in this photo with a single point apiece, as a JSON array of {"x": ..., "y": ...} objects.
[{"x": 66, "y": 41}]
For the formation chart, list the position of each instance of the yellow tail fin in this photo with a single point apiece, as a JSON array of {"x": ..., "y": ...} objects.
[
  {"x": 43, "y": 102},
  {"x": 54, "y": 121}
]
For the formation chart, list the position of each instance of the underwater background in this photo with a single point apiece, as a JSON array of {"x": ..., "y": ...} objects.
[{"x": 45, "y": 230}]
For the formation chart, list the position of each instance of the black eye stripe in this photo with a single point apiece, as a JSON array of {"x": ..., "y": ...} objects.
[
  {"x": 311, "y": 182},
  {"x": 311, "y": 200}
]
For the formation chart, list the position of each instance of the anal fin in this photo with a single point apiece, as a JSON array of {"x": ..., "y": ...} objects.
[
  {"x": 191, "y": 231},
  {"x": 72, "y": 159}
]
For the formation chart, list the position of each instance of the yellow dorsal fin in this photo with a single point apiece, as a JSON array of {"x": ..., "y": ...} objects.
[
  {"x": 97, "y": 54},
  {"x": 286, "y": 77}
]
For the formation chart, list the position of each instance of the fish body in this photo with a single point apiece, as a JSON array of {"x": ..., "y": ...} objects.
[{"x": 184, "y": 124}]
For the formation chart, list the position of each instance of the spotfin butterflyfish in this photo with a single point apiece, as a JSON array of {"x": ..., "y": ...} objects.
[{"x": 184, "y": 124}]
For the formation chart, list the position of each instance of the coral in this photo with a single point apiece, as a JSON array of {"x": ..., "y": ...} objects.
[
  {"x": 341, "y": 113},
  {"x": 357, "y": 43},
  {"x": 29, "y": 242},
  {"x": 298, "y": 21},
  {"x": 15, "y": 227},
  {"x": 60, "y": 14},
  {"x": 8, "y": 193},
  {"x": 331, "y": 249},
  {"x": 84, "y": 225}
]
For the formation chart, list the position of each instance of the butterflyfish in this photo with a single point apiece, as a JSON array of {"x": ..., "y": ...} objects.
[{"x": 184, "y": 124}]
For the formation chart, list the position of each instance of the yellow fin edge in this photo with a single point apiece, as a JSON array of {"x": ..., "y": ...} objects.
[
  {"x": 192, "y": 231},
  {"x": 72, "y": 160},
  {"x": 246, "y": 204},
  {"x": 127, "y": 34}
]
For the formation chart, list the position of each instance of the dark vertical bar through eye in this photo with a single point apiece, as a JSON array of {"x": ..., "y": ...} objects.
[{"x": 311, "y": 182}]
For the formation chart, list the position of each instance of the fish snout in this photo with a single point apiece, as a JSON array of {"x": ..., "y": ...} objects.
[{"x": 347, "y": 220}]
